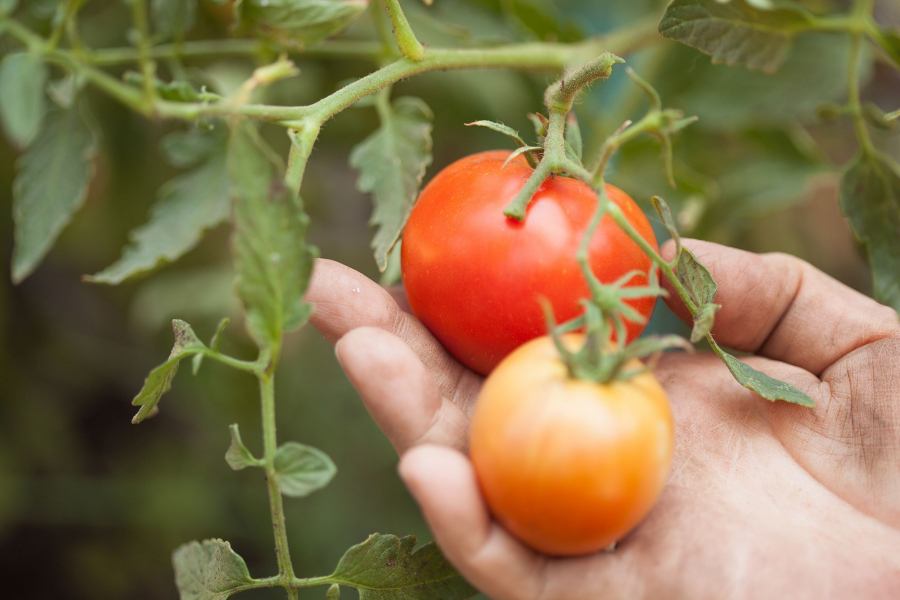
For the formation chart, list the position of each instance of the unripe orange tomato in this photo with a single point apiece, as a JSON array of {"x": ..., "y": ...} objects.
[
  {"x": 474, "y": 276},
  {"x": 569, "y": 466}
]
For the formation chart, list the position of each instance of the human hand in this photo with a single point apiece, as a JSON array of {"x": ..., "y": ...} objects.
[{"x": 764, "y": 500}]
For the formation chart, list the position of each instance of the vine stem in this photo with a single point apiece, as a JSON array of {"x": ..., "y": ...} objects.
[
  {"x": 528, "y": 56},
  {"x": 276, "y": 503}
]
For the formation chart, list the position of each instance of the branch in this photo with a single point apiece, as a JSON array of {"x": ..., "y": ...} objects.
[{"x": 406, "y": 40}]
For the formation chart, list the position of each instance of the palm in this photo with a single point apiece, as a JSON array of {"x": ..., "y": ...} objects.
[{"x": 765, "y": 500}]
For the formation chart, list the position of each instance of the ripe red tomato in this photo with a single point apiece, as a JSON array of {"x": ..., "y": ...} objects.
[
  {"x": 474, "y": 276},
  {"x": 569, "y": 466}
]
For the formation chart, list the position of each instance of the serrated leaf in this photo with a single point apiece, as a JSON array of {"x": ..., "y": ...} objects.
[
  {"x": 500, "y": 128},
  {"x": 768, "y": 387},
  {"x": 23, "y": 77},
  {"x": 301, "y": 470},
  {"x": 160, "y": 379},
  {"x": 696, "y": 278},
  {"x": 210, "y": 570},
  {"x": 386, "y": 567},
  {"x": 173, "y": 18},
  {"x": 272, "y": 260},
  {"x": 870, "y": 199},
  {"x": 734, "y": 33},
  {"x": 238, "y": 456},
  {"x": 51, "y": 185},
  {"x": 574, "y": 145},
  {"x": 391, "y": 164},
  {"x": 189, "y": 206}
]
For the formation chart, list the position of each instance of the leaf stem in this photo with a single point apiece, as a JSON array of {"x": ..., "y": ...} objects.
[{"x": 406, "y": 39}]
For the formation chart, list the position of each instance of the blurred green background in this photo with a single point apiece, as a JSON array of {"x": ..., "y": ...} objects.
[{"x": 92, "y": 506}]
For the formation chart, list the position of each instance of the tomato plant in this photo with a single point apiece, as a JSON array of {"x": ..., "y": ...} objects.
[
  {"x": 483, "y": 244},
  {"x": 569, "y": 466},
  {"x": 474, "y": 276}
]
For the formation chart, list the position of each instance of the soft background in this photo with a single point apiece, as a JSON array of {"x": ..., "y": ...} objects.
[{"x": 91, "y": 506}]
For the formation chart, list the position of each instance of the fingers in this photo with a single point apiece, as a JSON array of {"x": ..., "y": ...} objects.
[
  {"x": 399, "y": 391},
  {"x": 781, "y": 307},
  {"x": 346, "y": 300},
  {"x": 443, "y": 483}
]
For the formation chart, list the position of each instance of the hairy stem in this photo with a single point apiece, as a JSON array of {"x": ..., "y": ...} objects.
[
  {"x": 276, "y": 504},
  {"x": 406, "y": 40}
]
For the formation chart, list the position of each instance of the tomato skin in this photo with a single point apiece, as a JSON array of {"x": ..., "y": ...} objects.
[
  {"x": 569, "y": 466},
  {"x": 474, "y": 276}
]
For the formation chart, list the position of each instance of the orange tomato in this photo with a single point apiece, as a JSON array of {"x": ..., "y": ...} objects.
[{"x": 569, "y": 466}]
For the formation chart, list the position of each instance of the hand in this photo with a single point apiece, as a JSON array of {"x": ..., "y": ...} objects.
[{"x": 765, "y": 500}]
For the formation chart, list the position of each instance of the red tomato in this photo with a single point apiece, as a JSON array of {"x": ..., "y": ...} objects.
[
  {"x": 569, "y": 466},
  {"x": 474, "y": 276}
]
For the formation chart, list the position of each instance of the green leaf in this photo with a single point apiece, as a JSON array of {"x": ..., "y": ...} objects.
[
  {"x": 50, "y": 187},
  {"x": 500, "y": 128},
  {"x": 301, "y": 470},
  {"x": 574, "y": 145},
  {"x": 176, "y": 91},
  {"x": 173, "y": 18},
  {"x": 892, "y": 116},
  {"x": 391, "y": 164},
  {"x": 237, "y": 456},
  {"x": 870, "y": 198},
  {"x": 334, "y": 592},
  {"x": 757, "y": 381},
  {"x": 299, "y": 23},
  {"x": 889, "y": 41},
  {"x": 696, "y": 278},
  {"x": 734, "y": 99},
  {"x": 160, "y": 379},
  {"x": 386, "y": 567},
  {"x": 734, "y": 32},
  {"x": 209, "y": 571},
  {"x": 189, "y": 205},
  {"x": 23, "y": 77},
  {"x": 272, "y": 260}
]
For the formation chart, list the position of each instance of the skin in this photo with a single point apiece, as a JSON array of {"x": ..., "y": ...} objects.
[
  {"x": 474, "y": 276},
  {"x": 765, "y": 500},
  {"x": 569, "y": 466}
]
